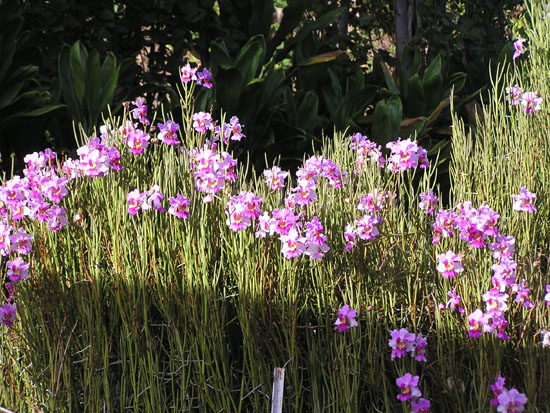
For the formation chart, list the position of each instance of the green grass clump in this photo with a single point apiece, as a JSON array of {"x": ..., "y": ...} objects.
[{"x": 149, "y": 312}]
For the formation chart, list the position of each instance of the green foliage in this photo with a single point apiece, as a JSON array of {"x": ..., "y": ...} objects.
[
  {"x": 469, "y": 35},
  {"x": 88, "y": 85},
  {"x": 257, "y": 85},
  {"x": 20, "y": 92},
  {"x": 416, "y": 103}
]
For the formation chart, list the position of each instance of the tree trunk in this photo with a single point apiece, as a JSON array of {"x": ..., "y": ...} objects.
[
  {"x": 344, "y": 19},
  {"x": 406, "y": 22}
]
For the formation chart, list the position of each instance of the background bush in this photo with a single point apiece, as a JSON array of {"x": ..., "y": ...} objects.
[{"x": 149, "y": 40}]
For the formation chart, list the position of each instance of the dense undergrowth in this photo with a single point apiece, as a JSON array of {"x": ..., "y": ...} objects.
[{"x": 160, "y": 278}]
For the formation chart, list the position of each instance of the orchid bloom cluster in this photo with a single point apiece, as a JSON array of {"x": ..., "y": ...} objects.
[
  {"x": 96, "y": 159},
  {"x": 297, "y": 237},
  {"x": 529, "y": 101},
  {"x": 479, "y": 228},
  {"x": 153, "y": 200},
  {"x": 346, "y": 318},
  {"x": 242, "y": 209},
  {"x": 212, "y": 170},
  {"x": 507, "y": 401},
  {"x": 231, "y": 131},
  {"x": 367, "y": 227},
  {"x": 136, "y": 139},
  {"x": 320, "y": 167},
  {"x": 403, "y": 342},
  {"x": 37, "y": 196},
  {"x": 366, "y": 151},
  {"x": 408, "y": 385},
  {"x": 192, "y": 74},
  {"x": 406, "y": 154}
]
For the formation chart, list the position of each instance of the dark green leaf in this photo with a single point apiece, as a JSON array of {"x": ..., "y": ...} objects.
[
  {"x": 77, "y": 59},
  {"x": 432, "y": 83},
  {"x": 250, "y": 58}
]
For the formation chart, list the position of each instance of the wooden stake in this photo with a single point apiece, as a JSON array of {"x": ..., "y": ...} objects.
[{"x": 278, "y": 387}]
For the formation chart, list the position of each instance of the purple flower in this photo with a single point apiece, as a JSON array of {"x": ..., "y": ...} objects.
[
  {"x": 420, "y": 344},
  {"x": 454, "y": 301},
  {"x": 366, "y": 151},
  {"x": 188, "y": 73},
  {"x": 18, "y": 270},
  {"x": 137, "y": 141},
  {"x": 421, "y": 406},
  {"x": 513, "y": 95},
  {"x": 202, "y": 121},
  {"x": 153, "y": 199},
  {"x": 450, "y": 264},
  {"x": 241, "y": 209},
  {"x": 274, "y": 178},
  {"x": 408, "y": 385},
  {"x": 428, "y": 203},
  {"x": 315, "y": 240},
  {"x": 530, "y": 102},
  {"x": 95, "y": 160},
  {"x": 495, "y": 301},
  {"x": 178, "y": 206},
  {"x": 140, "y": 112},
  {"x": 7, "y": 314},
  {"x": 497, "y": 388},
  {"x": 405, "y": 155},
  {"x": 547, "y": 296},
  {"x": 20, "y": 242},
  {"x": 503, "y": 248},
  {"x": 511, "y": 401},
  {"x": 523, "y": 202},
  {"x": 262, "y": 226},
  {"x": 504, "y": 274},
  {"x": 522, "y": 294},
  {"x": 135, "y": 198},
  {"x": 444, "y": 225},
  {"x": 203, "y": 78},
  {"x": 346, "y": 318},
  {"x": 486, "y": 219},
  {"x": 57, "y": 218},
  {"x": 374, "y": 201},
  {"x": 304, "y": 193},
  {"x": 476, "y": 321},
  {"x": 519, "y": 49},
  {"x": 350, "y": 238},
  {"x": 366, "y": 228},
  {"x": 5, "y": 240},
  {"x": 401, "y": 342},
  {"x": 168, "y": 133},
  {"x": 292, "y": 244},
  {"x": 236, "y": 129}
]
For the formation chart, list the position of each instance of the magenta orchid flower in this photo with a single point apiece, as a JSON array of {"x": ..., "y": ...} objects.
[
  {"x": 523, "y": 202},
  {"x": 409, "y": 387},
  {"x": 519, "y": 48},
  {"x": 346, "y": 318}
]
